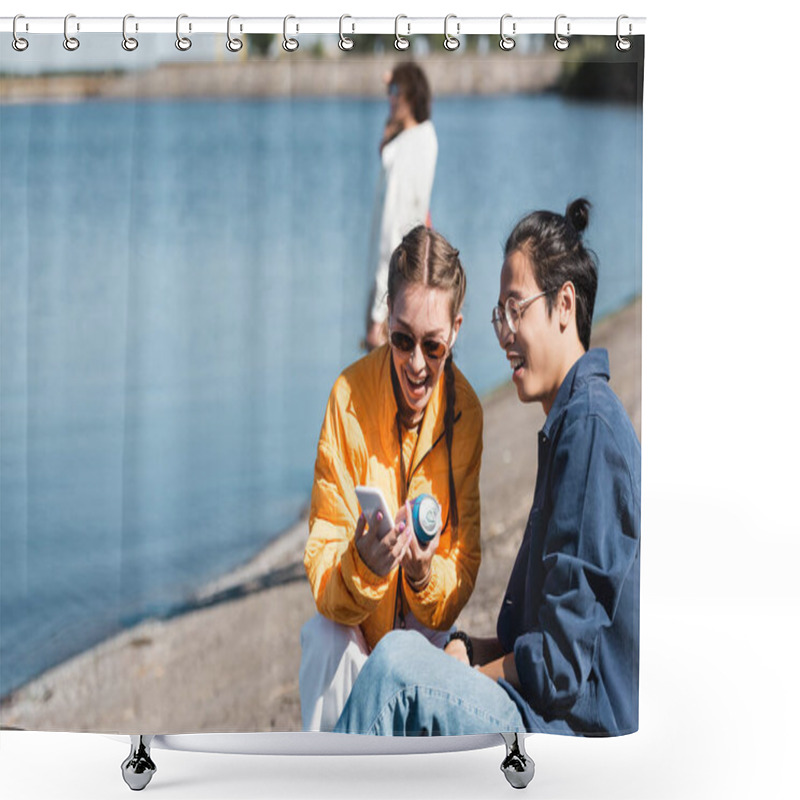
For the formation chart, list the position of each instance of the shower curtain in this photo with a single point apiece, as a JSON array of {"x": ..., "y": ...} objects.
[{"x": 188, "y": 250}]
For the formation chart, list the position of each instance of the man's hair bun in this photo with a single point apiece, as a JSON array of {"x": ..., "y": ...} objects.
[{"x": 578, "y": 214}]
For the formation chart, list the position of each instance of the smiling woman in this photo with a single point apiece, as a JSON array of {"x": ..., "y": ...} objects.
[
  {"x": 405, "y": 420},
  {"x": 426, "y": 291},
  {"x": 418, "y": 359}
]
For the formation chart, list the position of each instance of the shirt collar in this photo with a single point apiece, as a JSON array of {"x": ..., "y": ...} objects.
[{"x": 593, "y": 363}]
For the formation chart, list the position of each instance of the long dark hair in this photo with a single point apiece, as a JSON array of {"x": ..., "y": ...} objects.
[
  {"x": 426, "y": 258},
  {"x": 554, "y": 246},
  {"x": 413, "y": 85}
]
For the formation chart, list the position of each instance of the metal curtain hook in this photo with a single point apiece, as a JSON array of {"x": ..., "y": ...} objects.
[
  {"x": 560, "y": 42},
  {"x": 70, "y": 42},
  {"x": 345, "y": 43},
  {"x": 233, "y": 44},
  {"x": 451, "y": 42},
  {"x": 18, "y": 43},
  {"x": 623, "y": 44},
  {"x": 289, "y": 45},
  {"x": 400, "y": 42},
  {"x": 128, "y": 42},
  {"x": 183, "y": 43},
  {"x": 507, "y": 42}
]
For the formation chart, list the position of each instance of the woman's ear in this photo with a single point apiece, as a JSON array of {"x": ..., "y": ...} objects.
[{"x": 456, "y": 327}]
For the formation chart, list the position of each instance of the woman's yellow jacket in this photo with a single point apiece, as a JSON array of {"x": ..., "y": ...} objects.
[{"x": 358, "y": 445}]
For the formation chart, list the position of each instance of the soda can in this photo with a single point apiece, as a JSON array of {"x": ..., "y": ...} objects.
[{"x": 426, "y": 514}]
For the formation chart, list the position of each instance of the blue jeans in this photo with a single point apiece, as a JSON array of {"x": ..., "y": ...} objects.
[{"x": 409, "y": 687}]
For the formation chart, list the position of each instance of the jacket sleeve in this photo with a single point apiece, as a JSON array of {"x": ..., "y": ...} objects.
[
  {"x": 590, "y": 543},
  {"x": 344, "y": 588},
  {"x": 453, "y": 573}
]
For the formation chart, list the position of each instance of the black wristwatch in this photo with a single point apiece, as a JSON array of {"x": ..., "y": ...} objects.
[{"x": 464, "y": 637}]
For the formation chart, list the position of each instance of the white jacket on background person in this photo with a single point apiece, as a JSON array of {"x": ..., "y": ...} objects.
[{"x": 402, "y": 201}]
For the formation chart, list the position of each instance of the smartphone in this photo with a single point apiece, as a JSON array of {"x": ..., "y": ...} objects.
[{"x": 372, "y": 501}]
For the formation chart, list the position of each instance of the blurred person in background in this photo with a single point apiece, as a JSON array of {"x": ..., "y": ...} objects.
[{"x": 408, "y": 153}]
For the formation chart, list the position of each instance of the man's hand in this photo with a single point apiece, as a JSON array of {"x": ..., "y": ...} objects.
[{"x": 458, "y": 650}]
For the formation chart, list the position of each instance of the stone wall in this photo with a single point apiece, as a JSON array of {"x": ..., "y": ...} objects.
[{"x": 283, "y": 77}]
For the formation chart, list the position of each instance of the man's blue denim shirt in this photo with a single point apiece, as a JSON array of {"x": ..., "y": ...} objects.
[{"x": 571, "y": 609}]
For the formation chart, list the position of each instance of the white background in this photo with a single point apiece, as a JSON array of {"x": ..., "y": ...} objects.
[{"x": 720, "y": 598}]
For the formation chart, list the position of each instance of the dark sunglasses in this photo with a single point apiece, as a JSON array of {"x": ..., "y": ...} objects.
[{"x": 431, "y": 348}]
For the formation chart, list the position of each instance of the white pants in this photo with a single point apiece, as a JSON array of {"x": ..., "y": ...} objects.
[{"x": 332, "y": 657}]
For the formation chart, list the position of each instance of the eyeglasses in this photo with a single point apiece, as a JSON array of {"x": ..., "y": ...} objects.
[
  {"x": 431, "y": 348},
  {"x": 511, "y": 313}
]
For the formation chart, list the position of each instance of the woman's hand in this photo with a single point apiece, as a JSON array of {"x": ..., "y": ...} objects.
[
  {"x": 418, "y": 560},
  {"x": 382, "y": 554}
]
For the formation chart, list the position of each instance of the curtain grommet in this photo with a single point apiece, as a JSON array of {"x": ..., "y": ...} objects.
[
  {"x": 451, "y": 43},
  {"x": 561, "y": 43},
  {"x": 71, "y": 43},
  {"x": 18, "y": 42},
  {"x": 233, "y": 44},
  {"x": 183, "y": 43},
  {"x": 401, "y": 42},
  {"x": 507, "y": 42},
  {"x": 345, "y": 42},
  {"x": 623, "y": 44},
  {"x": 129, "y": 43},
  {"x": 288, "y": 44}
]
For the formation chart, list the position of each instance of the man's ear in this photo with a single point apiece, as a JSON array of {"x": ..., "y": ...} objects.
[{"x": 566, "y": 305}]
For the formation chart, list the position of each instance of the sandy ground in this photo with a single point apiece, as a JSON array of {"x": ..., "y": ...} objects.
[{"x": 231, "y": 663}]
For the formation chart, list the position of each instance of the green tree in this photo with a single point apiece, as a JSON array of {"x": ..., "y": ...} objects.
[{"x": 259, "y": 44}]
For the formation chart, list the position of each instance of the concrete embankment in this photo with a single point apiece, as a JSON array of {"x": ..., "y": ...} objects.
[{"x": 286, "y": 76}]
